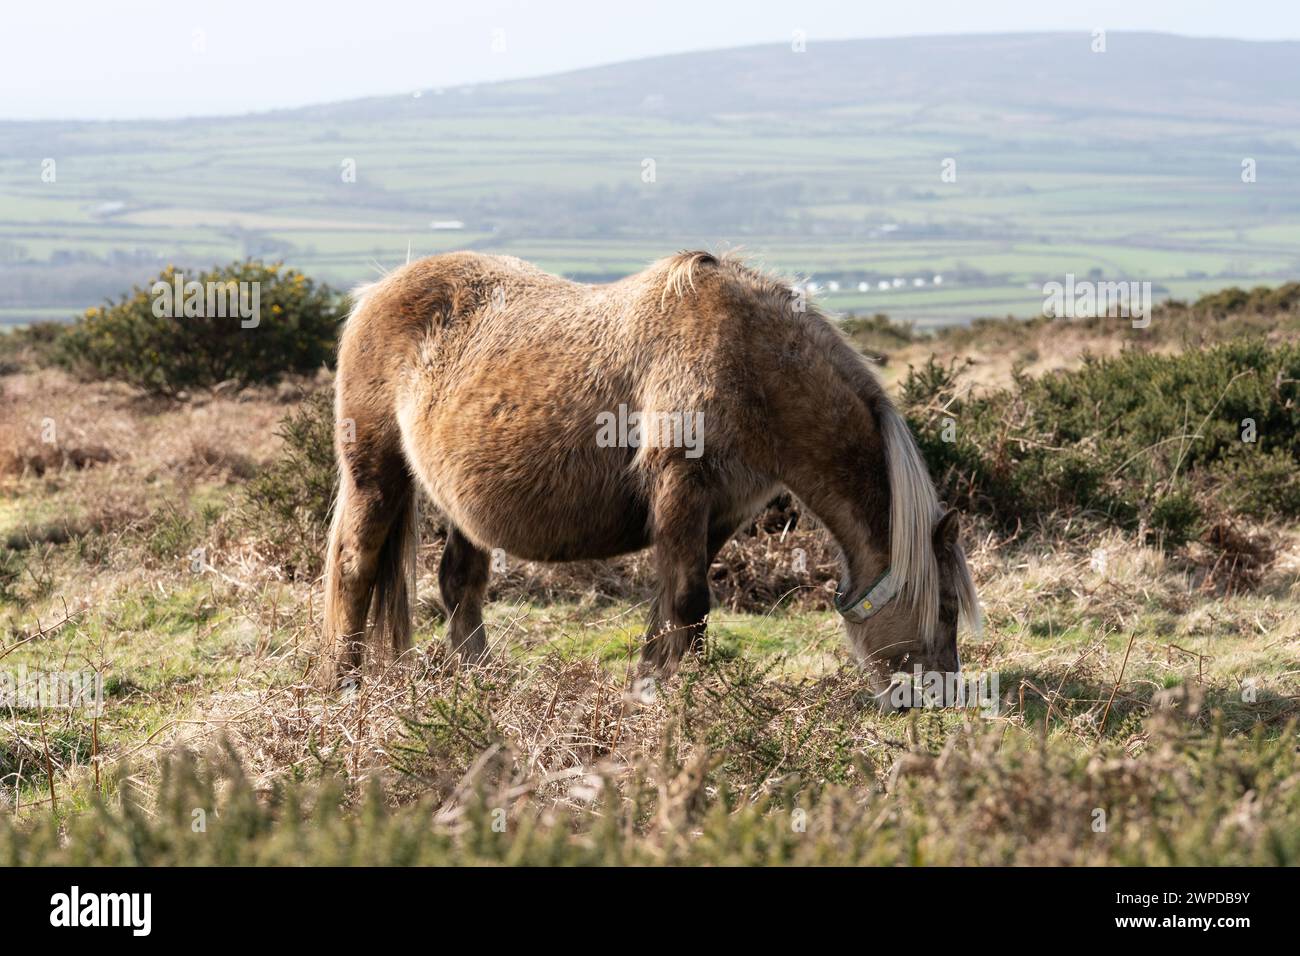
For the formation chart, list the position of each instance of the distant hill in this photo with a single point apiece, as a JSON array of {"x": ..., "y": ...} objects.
[{"x": 1139, "y": 73}]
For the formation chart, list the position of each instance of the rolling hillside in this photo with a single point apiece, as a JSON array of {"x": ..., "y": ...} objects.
[
  {"x": 1150, "y": 76},
  {"x": 829, "y": 163}
]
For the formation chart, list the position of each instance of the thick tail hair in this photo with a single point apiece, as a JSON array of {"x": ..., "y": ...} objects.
[
  {"x": 394, "y": 588},
  {"x": 372, "y": 611},
  {"x": 371, "y": 554}
]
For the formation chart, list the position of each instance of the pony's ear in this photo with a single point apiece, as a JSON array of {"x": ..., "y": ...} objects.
[{"x": 946, "y": 531}]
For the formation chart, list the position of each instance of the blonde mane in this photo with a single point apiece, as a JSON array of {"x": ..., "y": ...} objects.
[{"x": 914, "y": 509}]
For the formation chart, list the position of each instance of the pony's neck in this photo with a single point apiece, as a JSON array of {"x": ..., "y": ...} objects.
[
  {"x": 855, "y": 512},
  {"x": 828, "y": 422},
  {"x": 864, "y": 544}
]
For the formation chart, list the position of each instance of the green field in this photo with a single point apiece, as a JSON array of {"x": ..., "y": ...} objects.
[{"x": 834, "y": 190}]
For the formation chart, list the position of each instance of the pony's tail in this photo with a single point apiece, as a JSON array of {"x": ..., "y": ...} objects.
[
  {"x": 371, "y": 554},
  {"x": 342, "y": 649},
  {"x": 386, "y": 607}
]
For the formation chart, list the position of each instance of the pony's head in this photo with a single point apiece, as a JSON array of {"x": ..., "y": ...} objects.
[{"x": 894, "y": 628}]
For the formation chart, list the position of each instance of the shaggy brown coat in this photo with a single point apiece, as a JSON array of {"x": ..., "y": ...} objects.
[{"x": 483, "y": 379}]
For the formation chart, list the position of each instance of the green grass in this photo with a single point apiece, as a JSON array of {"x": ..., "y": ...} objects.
[{"x": 612, "y": 634}]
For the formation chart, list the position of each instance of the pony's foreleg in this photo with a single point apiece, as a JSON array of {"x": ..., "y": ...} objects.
[
  {"x": 682, "y": 553},
  {"x": 463, "y": 580}
]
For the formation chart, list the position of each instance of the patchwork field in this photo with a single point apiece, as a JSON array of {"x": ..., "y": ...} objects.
[{"x": 836, "y": 165}]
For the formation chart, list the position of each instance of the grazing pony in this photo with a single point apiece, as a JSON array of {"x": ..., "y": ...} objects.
[{"x": 560, "y": 421}]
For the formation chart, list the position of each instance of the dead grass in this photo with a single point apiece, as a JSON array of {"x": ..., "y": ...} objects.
[{"x": 49, "y": 421}]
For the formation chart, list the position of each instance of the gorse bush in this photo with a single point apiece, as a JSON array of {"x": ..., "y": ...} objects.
[
  {"x": 1260, "y": 300},
  {"x": 246, "y": 323},
  {"x": 877, "y": 333},
  {"x": 761, "y": 727},
  {"x": 1138, "y": 439}
]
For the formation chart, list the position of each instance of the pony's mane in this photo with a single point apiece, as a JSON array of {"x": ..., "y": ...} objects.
[
  {"x": 677, "y": 275},
  {"x": 679, "y": 270},
  {"x": 914, "y": 509}
]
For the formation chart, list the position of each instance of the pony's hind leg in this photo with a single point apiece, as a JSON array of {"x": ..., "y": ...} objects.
[
  {"x": 463, "y": 579},
  {"x": 683, "y": 548}
]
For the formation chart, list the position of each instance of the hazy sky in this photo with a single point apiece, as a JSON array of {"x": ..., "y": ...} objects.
[{"x": 100, "y": 59}]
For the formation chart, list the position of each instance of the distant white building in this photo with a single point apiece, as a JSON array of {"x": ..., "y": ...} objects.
[
  {"x": 918, "y": 282},
  {"x": 864, "y": 286},
  {"x": 883, "y": 285},
  {"x": 446, "y": 224},
  {"x": 937, "y": 280},
  {"x": 899, "y": 283},
  {"x": 833, "y": 286}
]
